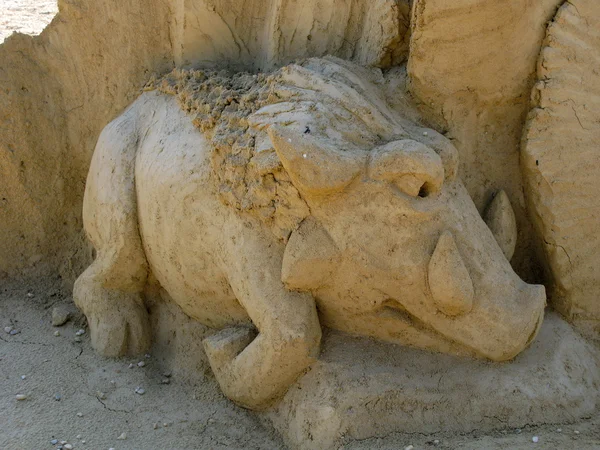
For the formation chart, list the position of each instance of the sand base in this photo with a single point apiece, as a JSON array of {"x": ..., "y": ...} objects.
[{"x": 361, "y": 388}]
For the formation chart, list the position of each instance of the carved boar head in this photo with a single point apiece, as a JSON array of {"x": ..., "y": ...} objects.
[{"x": 394, "y": 247}]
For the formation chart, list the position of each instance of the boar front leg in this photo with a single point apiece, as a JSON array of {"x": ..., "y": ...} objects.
[{"x": 255, "y": 372}]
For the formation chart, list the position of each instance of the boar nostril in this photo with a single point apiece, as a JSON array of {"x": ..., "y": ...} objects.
[{"x": 424, "y": 191}]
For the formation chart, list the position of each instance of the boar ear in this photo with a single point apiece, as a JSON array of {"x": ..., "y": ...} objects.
[
  {"x": 315, "y": 165},
  {"x": 310, "y": 257}
]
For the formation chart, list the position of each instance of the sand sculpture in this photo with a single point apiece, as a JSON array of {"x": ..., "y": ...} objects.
[
  {"x": 322, "y": 195},
  {"x": 302, "y": 181}
]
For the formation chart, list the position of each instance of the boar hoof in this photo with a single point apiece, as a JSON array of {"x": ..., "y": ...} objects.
[
  {"x": 121, "y": 331},
  {"x": 118, "y": 321},
  {"x": 222, "y": 347}
]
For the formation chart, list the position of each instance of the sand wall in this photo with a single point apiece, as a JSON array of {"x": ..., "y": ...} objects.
[{"x": 58, "y": 90}]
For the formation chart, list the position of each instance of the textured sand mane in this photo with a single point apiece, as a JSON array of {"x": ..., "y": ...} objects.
[{"x": 248, "y": 179}]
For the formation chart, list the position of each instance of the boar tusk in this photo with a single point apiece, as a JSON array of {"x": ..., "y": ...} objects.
[
  {"x": 449, "y": 280},
  {"x": 310, "y": 257},
  {"x": 500, "y": 218}
]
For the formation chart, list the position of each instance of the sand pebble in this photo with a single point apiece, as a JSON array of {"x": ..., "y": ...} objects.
[
  {"x": 409, "y": 447},
  {"x": 167, "y": 374},
  {"x": 57, "y": 397},
  {"x": 131, "y": 366},
  {"x": 425, "y": 133},
  {"x": 13, "y": 332},
  {"x": 78, "y": 436},
  {"x": 8, "y": 329},
  {"x": 101, "y": 395},
  {"x": 576, "y": 431},
  {"x": 436, "y": 442},
  {"x": 155, "y": 426},
  {"x": 113, "y": 382},
  {"x": 141, "y": 364},
  {"x": 63, "y": 442},
  {"x": 30, "y": 294},
  {"x": 60, "y": 316},
  {"x": 165, "y": 381},
  {"x": 80, "y": 332},
  {"x": 21, "y": 397},
  {"x": 139, "y": 390},
  {"x": 79, "y": 414},
  {"x": 147, "y": 355},
  {"x": 535, "y": 439},
  {"x": 122, "y": 436},
  {"x": 559, "y": 430},
  {"x": 77, "y": 339},
  {"x": 165, "y": 424},
  {"x": 83, "y": 441},
  {"x": 57, "y": 333},
  {"x": 68, "y": 447},
  {"x": 23, "y": 377},
  {"x": 54, "y": 441}
]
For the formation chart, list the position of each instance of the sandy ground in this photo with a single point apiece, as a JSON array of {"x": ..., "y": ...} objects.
[
  {"x": 25, "y": 16},
  {"x": 102, "y": 390},
  {"x": 196, "y": 416}
]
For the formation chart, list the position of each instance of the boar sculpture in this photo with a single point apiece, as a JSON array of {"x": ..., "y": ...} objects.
[{"x": 269, "y": 205}]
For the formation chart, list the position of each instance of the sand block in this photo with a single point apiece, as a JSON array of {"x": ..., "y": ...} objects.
[{"x": 360, "y": 388}]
